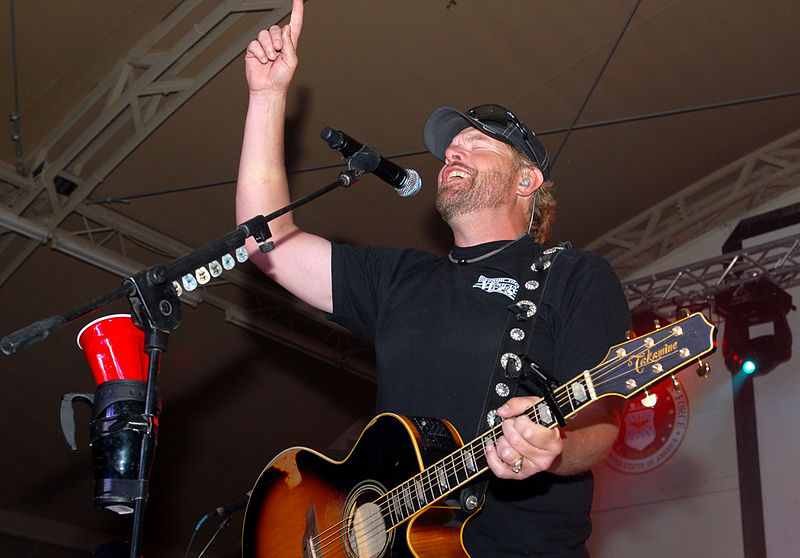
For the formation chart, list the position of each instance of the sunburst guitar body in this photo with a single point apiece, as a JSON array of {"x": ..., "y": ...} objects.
[{"x": 306, "y": 504}]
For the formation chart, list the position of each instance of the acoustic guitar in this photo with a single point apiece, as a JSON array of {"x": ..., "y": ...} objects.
[{"x": 395, "y": 494}]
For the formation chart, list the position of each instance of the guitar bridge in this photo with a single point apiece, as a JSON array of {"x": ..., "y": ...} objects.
[{"x": 310, "y": 533}]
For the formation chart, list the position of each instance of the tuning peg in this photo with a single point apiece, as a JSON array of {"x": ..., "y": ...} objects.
[
  {"x": 675, "y": 383},
  {"x": 649, "y": 400},
  {"x": 683, "y": 313},
  {"x": 703, "y": 369},
  {"x": 630, "y": 334}
]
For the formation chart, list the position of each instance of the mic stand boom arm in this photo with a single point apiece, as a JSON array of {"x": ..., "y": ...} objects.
[
  {"x": 153, "y": 283},
  {"x": 156, "y": 307}
]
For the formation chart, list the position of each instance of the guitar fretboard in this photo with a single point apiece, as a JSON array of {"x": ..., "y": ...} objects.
[{"x": 469, "y": 461}]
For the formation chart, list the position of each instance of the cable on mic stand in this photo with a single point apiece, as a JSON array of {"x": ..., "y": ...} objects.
[
  {"x": 226, "y": 513},
  {"x": 194, "y": 533}
]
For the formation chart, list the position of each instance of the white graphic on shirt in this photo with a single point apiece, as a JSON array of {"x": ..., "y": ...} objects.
[{"x": 502, "y": 285}]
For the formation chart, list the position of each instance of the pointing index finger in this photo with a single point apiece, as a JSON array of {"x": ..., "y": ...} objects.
[{"x": 296, "y": 20}]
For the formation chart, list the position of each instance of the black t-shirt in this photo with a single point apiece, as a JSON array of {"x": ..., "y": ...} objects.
[{"x": 437, "y": 328}]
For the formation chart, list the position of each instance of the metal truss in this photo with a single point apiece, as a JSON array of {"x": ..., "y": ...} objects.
[
  {"x": 717, "y": 198},
  {"x": 154, "y": 80},
  {"x": 141, "y": 92},
  {"x": 157, "y": 76},
  {"x": 693, "y": 286}
]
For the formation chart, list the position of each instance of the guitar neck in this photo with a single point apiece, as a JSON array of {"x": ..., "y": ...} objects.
[
  {"x": 460, "y": 467},
  {"x": 629, "y": 368}
]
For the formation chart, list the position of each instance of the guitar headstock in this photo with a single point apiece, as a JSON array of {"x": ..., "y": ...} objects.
[{"x": 633, "y": 366}]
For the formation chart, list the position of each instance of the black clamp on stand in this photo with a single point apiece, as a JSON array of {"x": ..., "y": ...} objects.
[
  {"x": 119, "y": 427},
  {"x": 125, "y": 412}
]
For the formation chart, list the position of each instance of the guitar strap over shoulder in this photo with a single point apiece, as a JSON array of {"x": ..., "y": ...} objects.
[{"x": 508, "y": 367}]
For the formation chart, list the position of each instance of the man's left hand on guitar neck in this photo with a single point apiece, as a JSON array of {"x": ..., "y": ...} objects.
[{"x": 527, "y": 448}]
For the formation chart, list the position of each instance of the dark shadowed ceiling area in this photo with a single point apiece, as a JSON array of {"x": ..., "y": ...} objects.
[{"x": 121, "y": 151}]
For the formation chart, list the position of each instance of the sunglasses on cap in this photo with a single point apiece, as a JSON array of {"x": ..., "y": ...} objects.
[
  {"x": 498, "y": 115},
  {"x": 494, "y": 120},
  {"x": 497, "y": 119}
]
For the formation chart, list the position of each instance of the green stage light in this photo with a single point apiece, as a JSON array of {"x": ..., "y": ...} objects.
[{"x": 757, "y": 336}]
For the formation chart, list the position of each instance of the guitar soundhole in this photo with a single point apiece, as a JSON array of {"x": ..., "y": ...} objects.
[{"x": 366, "y": 533}]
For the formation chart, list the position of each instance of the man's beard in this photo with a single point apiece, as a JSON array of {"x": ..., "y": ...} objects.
[{"x": 483, "y": 192}]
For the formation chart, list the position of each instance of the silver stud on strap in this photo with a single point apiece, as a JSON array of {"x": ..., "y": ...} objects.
[
  {"x": 532, "y": 285},
  {"x": 527, "y": 308},
  {"x": 502, "y": 389},
  {"x": 517, "y": 334}
]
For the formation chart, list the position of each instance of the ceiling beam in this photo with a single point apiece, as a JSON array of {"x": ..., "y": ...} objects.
[
  {"x": 723, "y": 195},
  {"x": 161, "y": 83},
  {"x": 693, "y": 286},
  {"x": 151, "y": 75}
]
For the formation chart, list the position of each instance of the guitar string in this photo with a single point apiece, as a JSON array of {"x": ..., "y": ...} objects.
[
  {"x": 333, "y": 534},
  {"x": 598, "y": 373},
  {"x": 427, "y": 480},
  {"x": 403, "y": 494},
  {"x": 377, "y": 523},
  {"x": 599, "y": 379}
]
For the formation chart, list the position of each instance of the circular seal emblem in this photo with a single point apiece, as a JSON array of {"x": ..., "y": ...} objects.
[{"x": 649, "y": 436}]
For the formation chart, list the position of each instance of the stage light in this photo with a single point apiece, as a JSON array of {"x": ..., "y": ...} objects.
[{"x": 757, "y": 335}]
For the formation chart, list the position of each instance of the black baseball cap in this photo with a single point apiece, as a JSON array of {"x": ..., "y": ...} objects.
[{"x": 493, "y": 120}]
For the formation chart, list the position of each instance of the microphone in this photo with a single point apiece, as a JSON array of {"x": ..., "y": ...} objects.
[
  {"x": 406, "y": 182},
  {"x": 233, "y": 506}
]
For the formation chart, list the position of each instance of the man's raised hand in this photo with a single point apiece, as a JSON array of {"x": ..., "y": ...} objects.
[{"x": 271, "y": 59}]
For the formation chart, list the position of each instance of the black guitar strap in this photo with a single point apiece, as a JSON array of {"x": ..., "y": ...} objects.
[{"x": 508, "y": 367}]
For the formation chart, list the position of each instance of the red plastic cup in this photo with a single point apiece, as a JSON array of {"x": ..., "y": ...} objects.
[{"x": 114, "y": 348}]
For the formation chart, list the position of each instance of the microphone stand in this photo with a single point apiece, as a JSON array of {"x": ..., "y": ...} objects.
[{"x": 156, "y": 306}]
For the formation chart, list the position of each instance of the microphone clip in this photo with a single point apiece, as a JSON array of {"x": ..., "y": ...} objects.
[{"x": 364, "y": 160}]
